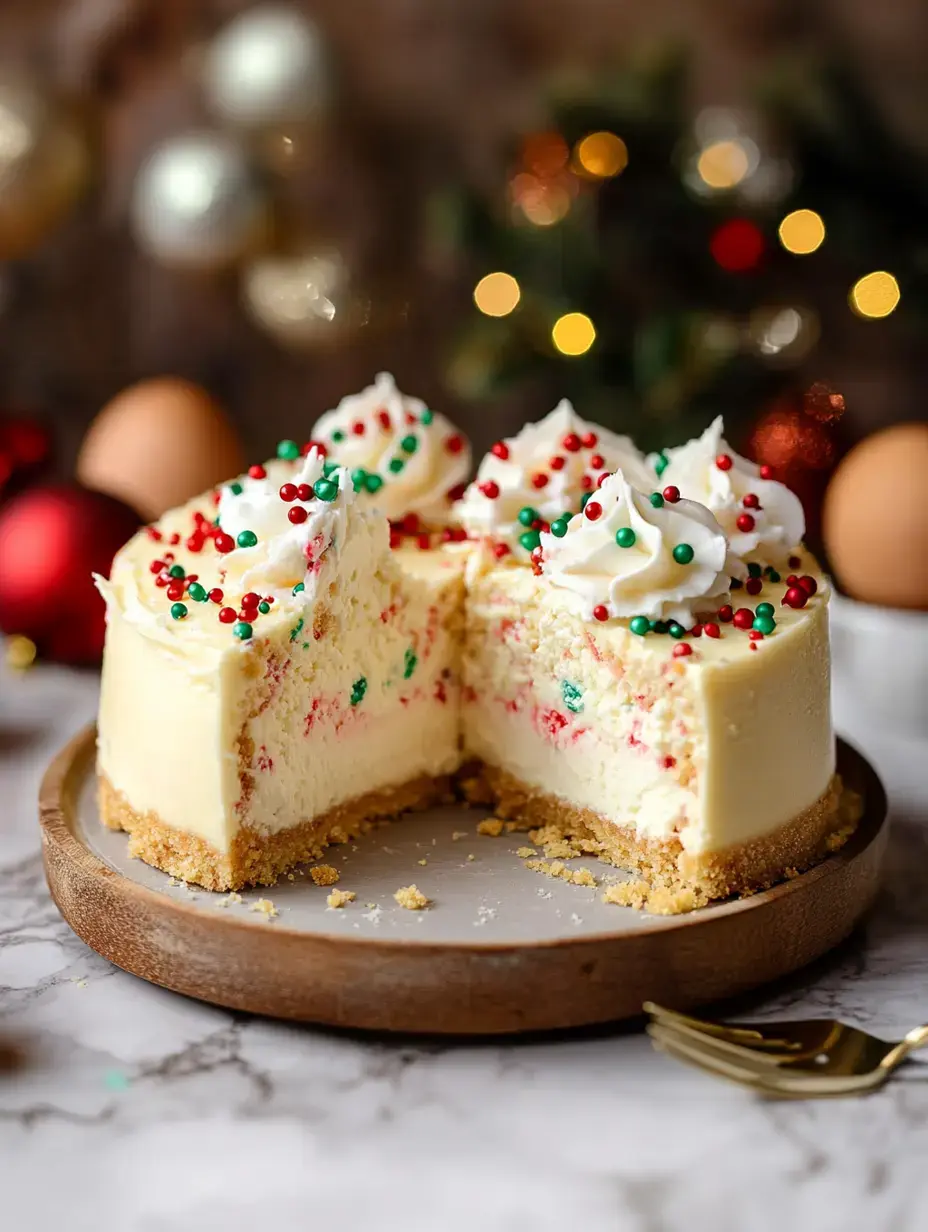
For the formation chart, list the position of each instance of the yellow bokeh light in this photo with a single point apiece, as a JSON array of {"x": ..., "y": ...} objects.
[
  {"x": 874, "y": 295},
  {"x": 497, "y": 294},
  {"x": 602, "y": 155},
  {"x": 723, "y": 164},
  {"x": 802, "y": 231},
  {"x": 573, "y": 333}
]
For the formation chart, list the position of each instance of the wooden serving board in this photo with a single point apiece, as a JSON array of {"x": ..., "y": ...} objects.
[{"x": 502, "y": 949}]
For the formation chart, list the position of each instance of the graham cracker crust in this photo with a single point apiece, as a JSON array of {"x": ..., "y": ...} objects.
[
  {"x": 679, "y": 880},
  {"x": 255, "y": 858}
]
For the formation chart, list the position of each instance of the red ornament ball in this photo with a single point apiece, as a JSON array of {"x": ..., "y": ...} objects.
[
  {"x": 737, "y": 245},
  {"x": 52, "y": 538}
]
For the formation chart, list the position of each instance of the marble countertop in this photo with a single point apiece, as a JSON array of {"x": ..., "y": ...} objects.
[{"x": 126, "y": 1107}]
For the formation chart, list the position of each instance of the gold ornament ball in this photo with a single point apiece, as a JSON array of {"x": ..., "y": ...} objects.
[
  {"x": 157, "y": 444},
  {"x": 875, "y": 518},
  {"x": 44, "y": 166},
  {"x": 304, "y": 300}
]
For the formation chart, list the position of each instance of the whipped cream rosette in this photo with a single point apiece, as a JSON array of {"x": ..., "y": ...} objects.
[
  {"x": 639, "y": 555},
  {"x": 541, "y": 473},
  {"x": 762, "y": 518},
  {"x": 407, "y": 458}
]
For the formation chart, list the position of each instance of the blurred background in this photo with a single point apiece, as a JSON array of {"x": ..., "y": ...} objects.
[{"x": 661, "y": 210}]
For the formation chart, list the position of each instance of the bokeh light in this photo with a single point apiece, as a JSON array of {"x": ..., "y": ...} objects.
[
  {"x": 573, "y": 333},
  {"x": 737, "y": 245},
  {"x": 602, "y": 155},
  {"x": 545, "y": 154},
  {"x": 542, "y": 202},
  {"x": 802, "y": 232},
  {"x": 875, "y": 295},
  {"x": 497, "y": 294},
  {"x": 723, "y": 164}
]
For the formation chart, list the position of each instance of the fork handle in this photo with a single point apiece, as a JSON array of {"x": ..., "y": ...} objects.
[{"x": 916, "y": 1038}]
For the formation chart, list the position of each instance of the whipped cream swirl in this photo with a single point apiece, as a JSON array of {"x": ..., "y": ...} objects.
[
  {"x": 546, "y": 467},
  {"x": 412, "y": 458},
  {"x": 285, "y": 552},
  {"x": 762, "y": 518},
  {"x": 625, "y": 556}
]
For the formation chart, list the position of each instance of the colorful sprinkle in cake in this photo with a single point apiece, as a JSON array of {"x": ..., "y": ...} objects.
[{"x": 629, "y": 651}]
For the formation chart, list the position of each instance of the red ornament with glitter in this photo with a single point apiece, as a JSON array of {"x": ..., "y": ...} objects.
[{"x": 51, "y": 539}]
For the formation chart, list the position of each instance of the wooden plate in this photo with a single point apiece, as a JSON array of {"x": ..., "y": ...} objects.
[{"x": 502, "y": 949}]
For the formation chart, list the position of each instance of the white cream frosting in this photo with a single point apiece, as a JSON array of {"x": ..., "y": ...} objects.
[
  {"x": 366, "y": 431},
  {"x": 530, "y": 453},
  {"x": 643, "y": 579},
  {"x": 779, "y": 523}
]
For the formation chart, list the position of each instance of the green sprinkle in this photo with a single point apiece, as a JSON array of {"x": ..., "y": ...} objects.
[
  {"x": 298, "y": 588},
  {"x": 409, "y": 663},
  {"x": 584, "y": 498},
  {"x": 358, "y": 689},
  {"x": 530, "y": 539},
  {"x": 659, "y": 626},
  {"x": 764, "y": 609},
  {"x": 773, "y": 575},
  {"x": 683, "y": 554},
  {"x": 246, "y": 539},
  {"x": 359, "y": 478},
  {"x": 640, "y": 625},
  {"x": 326, "y": 489},
  {"x": 409, "y": 444},
  {"x": 396, "y": 465},
  {"x": 373, "y": 483},
  {"x": 528, "y": 515},
  {"x": 764, "y": 624},
  {"x": 572, "y": 696},
  {"x": 426, "y": 417},
  {"x": 297, "y": 628},
  {"x": 242, "y": 630},
  {"x": 754, "y": 570},
  {"x": 338, "y": 436},
  {"x": 661, "y": 462},
  {"x": 329, "y": 467},
  {"x": 656, "y": 500},
  {"x": 288, "y": 450},
  {"x": 625, "y": 537},
  {"x": 178, "y": 610},
  {"x": 176, "y": 571},
  {"x": 197, "y": 592},
  {"x": 264, "y": 607},
  {"x": 559, "y": 528},
  {"x": 235, "y": 488},
  {"x": 675, "y": 630}
]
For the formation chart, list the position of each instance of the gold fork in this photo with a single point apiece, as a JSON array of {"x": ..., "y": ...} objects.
[{"x": 797, "y": 1060}]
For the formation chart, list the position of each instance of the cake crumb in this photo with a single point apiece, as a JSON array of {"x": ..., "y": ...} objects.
[
  {"x": 492, "y": 827},
  {"x": 340, "y": 898},
  {"x": 324, "y": 874},
  {"x": 371, "y": 905},
  {"x": 664, "y": 901},
  {"x": 457, "y": 835},
  {"x": 525, "y": 853},
  {"x": 472, "y": 856},
  {"x": 230, "y": 899},
  {"x": 513, "y": 826},
  {"x": 627, "y": 894},
  {"x": 422, "y": 862},
  {"x": 412, "y": 898},
  {"x": 265, "y": 907},
  {"x": 556, "y": 868},
  {"x": 338, "y": 835}
]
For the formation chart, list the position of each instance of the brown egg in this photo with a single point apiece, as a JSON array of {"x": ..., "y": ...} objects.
[
  {"x": 158, "y": 443},
  {"x": 875, "y": 518}
]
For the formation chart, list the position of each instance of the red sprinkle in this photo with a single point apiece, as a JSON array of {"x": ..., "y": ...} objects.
[
  {"x": 305, "y": 491},
  {"x": 500, "y": 550},
  {"x": 490, "y": 489},
  {"x": 751, "y": 500},
  {"x": 287, "y": 492},
  {"x": 224, "y": 543},
  {"x": 743, "y": 618},
  {"x": 156, "y": 566},
  {"x": 196, "y": 541},
  {"x": 586, "y": 482},
  {"x": 671, "y": 493},
  {"x": 808, "y": 584},
  {"x": 162, "y": 580},
  {"x": 424, "y": 541},
  {"x": 558, "y": 462},
  {"x": 454, "y": 444},
  {"x": 696, "y": 630},
  {"x": 725, "y": 614},
  {"x": 500, "y": 450},
  {"x": 251, "y": 599},
  {"x": 597, "y": 462},
  {"x": 409, "y": 524},
  {"x": 723, "y": 462},
  {"x": 540, "y": 480},
  {"x": 669, "y": 762},
  {"x": 766, "y": 472},
  {"x": 216, "y": 595},
  {"x": 795, "y": 597},
  {"x": 384, "y": 420},
  {"x": 753, "y": 646},
  {"x": 176, "y": 590},
  {"x": 593, "y": 510},
  {"x": 571, "y": 442},
  {"x": 601, "y": 612},
  {"x": 711, "y": 629},
  {"x": 745, "y": 523},
  {"x": 754, "y": 586},
  {"x": 794, "y": 562},
  {"x": 457, "y": 492},
  {"x": 257, "y": 472},
  {"x": 175, "y": 538},
  {"x": 756, "y": 636},
  {"x": 153, "y": 533},
  {"x": 217, "y": 497},
  {"x": 227, "y": 615},
  {"x": 589, "y": 440},
  {"x": 317, "y": 445},
  {"x": 297, "y": 514},
  {"x": 792, "y": 580},
  {"x": 358, "y": 427},
  {"x": 602, "y": 479},
  {"x": 396, "y": 538},
  {"x": 682, "y": 649}
]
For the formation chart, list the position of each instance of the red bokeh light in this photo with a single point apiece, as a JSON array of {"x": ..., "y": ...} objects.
[{"x": 737, "y": 245}]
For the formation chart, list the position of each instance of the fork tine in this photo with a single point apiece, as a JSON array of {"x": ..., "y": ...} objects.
[
  {"x": 720, "y": 1043},
  {"x": 678, "y": 1048},
  {"x": 746, "y": 1036}
]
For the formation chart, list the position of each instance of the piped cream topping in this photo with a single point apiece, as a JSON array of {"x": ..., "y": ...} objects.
[{"x": 633, "y": 554}]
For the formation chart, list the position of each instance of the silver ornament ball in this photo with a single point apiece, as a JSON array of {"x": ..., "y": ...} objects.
[
  {"x": 198, "y": 202},
  {"x": 267, "y": 67}
]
